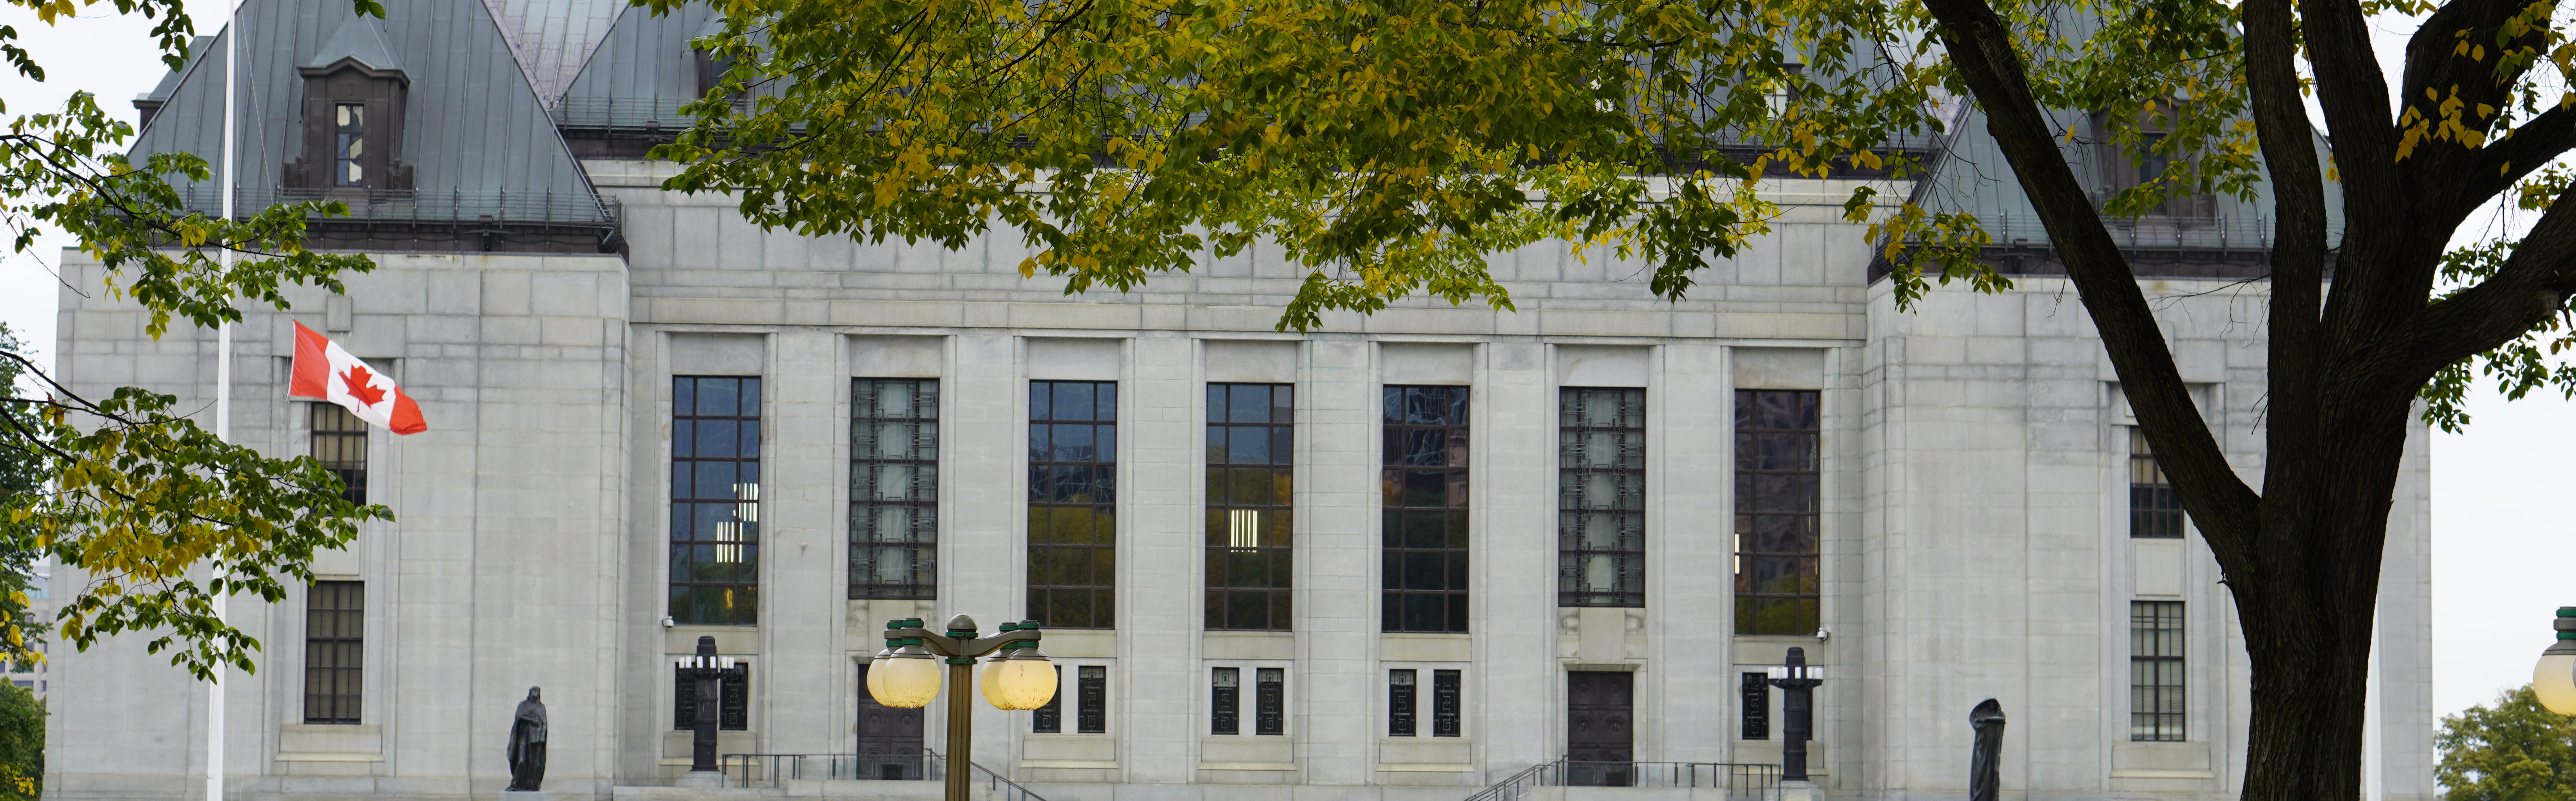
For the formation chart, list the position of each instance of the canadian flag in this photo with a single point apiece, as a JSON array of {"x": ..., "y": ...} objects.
[{"x": 323, "y": 370}]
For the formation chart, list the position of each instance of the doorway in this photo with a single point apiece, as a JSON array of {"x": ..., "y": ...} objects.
[
  {"x": 1599, "y": 740},
  {"x": 889, "y": 744}
]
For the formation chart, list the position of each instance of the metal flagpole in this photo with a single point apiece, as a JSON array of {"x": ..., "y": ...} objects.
[{"x": 223, "y": 389}]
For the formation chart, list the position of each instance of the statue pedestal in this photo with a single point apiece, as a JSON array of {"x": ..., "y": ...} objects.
[
  {"x": 523, "y": 795},
  {"x": 1801, "y": 791},
  {"x": 701, "y": 778}
]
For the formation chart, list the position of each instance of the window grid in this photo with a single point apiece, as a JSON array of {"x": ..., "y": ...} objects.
[
  {"x": 1091, "y": 713},
  {"x": 334, "y": 650},
  {"x": 1049, "y": 718},
  {"x": 1270, "y": 701},
  {"x": 1778, "y": 483},
  {"x": 1399, "y": 703},
  {"x": 340, "y": 444},
  {"x": 349, "y": 151},
  {"x": 2155, "y": 511},
  {"x": 2155, "y": 671},
  {"x": 1424, "y": 567},
  {"x": 1444, "y": 703},
  {"x": 1251, "y": 441},
  {"x": 1224, "y": 699},
  {"x": 894, "y": 488},
  {"x": 1073, "y": 503},
  {"x": 715, "y": 500},
  {"x": 733, "y": 699},
  {"x": 1601, "y": 497}
]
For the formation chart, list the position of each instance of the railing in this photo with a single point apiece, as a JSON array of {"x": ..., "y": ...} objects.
[
  {"x": 432, "y": 206},
  {"x": 767, "y": 770},
  {"x": 1738, "y": 779},
  {"x": 997, "y": 788},
  {"x": 636, "y": 113},
  {"x": 2152, "y": 232}
]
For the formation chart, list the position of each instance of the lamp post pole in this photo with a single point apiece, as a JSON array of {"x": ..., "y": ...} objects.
[
  {"x": 706, "y": 670},
  {"x": 904, "y": 676},
  {"x": 1797, "y": 683}
]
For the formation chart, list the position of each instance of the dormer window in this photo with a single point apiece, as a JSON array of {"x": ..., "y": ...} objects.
[
  {"x": 2124, "y": 169},
  {"x": 354, "y": 91},
  {"x": 349, "y": 150}
]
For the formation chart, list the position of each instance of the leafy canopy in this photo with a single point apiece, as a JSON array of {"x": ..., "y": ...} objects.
[
  {"x": 2510, "y": 750},
  {"x": 158, "y": 515}
]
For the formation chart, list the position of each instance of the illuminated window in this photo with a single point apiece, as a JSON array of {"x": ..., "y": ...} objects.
[
  {"x": 715, "y": 500},
  {"x": 1249, "y": 444},
  {"x": 2155, "y": 671}
]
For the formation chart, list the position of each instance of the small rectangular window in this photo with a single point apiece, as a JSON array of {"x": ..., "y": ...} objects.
[
  {"x": 1073, "y": 503},
  {"x": 1224, "y": 699},
  {"x": 1270, "y": 701},
  {"x": 894, "y": 488},
  {"x": 733, "y": 699},
  {"x": 2155, "y": 671},
  {"x": 334, "y": 646},
  {"x": 2155, "y": 512},
  {"x": 340, "y": 444},
  {"x": 1757, "y": 706},
  {"x": 1250, "y": 442},
  {"x": 1444, "y": 703},
  {"x": 1049, "y": 719},
  {"x": 1091, "y": 715},
  {"x": 1601, "y": 497},
  {"x": 1423, "y": 552},
  {"x": 715, "y": 500},
  {"x": 349, "y": 148},
  {"x": 1399, "y": 703}
]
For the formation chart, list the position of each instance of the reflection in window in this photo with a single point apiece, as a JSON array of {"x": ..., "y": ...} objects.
[
  {"x": 2155, "y": 671},
  {"x": 349, "y": 147},
  {"x": 1091, "y": 711},
  {"x": 2154, "y": 510},
  {"x": 733, "y": 699},
  {"x": 1444, "y": 703},
  {"x": 1049, "y": 719},
  {"x": 1601, "y": 497},
  {"x": 1424, "y": 529},
  {"x": 894, "y": 488},
  {"x": 1225, "y": 700},
  {"x": 1270, "y": 701},
  {"x": 340, "y": 444},
  {"x": 1399, "y": 703},
  {"x": 335, "y": 620},
  {"x": 1776, "y": 520},
  {"x": 1073, "y": 503},
  {"x": 715, "y": 500},
  {"x": 1249, "y": 442}
]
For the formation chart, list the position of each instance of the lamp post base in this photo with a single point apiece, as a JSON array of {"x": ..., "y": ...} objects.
[
  {"x": 524, "y": 795},
  {"x": 701, "y": 778},
  {"x": 1800, "y": 791}
]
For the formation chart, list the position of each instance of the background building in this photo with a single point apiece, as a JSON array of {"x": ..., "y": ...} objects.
[{"x": 1404, "y": 557}]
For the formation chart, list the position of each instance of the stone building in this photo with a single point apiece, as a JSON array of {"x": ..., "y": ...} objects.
[{"x": 1407, "y": 556}]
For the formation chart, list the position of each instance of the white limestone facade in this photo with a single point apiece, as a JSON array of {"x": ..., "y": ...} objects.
[{"x": 1973, "y": 535}]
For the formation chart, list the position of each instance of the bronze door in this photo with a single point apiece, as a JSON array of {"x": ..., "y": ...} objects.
[
  {"x": 1598, "y": 736},
  {"x": 889, "y": 744}
]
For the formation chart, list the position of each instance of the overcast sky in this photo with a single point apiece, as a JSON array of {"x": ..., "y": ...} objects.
[{"x": 2503, "y": 554}]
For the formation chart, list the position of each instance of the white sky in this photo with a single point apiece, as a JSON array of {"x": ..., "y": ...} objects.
[{"x": 2503, "y": 554}]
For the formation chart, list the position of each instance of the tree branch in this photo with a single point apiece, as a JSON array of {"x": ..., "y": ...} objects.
[
  {"x": 1981, "y": 46},
  {"x": 2506, "y": 161},
  {"x": 2297, "y": 347},
  {"x": 2533, "y": 284}
]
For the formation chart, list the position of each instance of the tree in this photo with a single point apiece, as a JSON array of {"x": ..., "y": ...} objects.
[
  {"x": 22, "y": 743},
  {"x": 159, "y": 515},
  {"x": 2512, "y": 750},
  {"x": 1389, "y": 145}
]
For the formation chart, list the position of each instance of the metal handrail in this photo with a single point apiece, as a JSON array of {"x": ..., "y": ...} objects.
[
  {"x": 768, "y": 770},
  {"x": 1008, "y": 790},
  {"x": 1740, "y": 780},
  {"x": 428, "y": 205}
]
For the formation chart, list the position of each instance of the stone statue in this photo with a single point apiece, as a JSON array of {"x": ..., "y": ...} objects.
[
  {"x": 528, "y": 745},
  {"x": 1985, "y": 763}
]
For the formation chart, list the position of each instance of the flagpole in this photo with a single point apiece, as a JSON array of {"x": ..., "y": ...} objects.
[{"x": 223, "y": 389}]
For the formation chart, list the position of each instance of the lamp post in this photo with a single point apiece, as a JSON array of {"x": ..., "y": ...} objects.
[
  {"x": 2554, "y": 679},
  {"x": 707, "y": 669},
  {"x": 906, "y": 676},
  {"x": 1797, "y": 682}
]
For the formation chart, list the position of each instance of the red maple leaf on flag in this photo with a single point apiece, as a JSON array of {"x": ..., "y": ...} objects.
[{"x": 357, "y": 379}]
